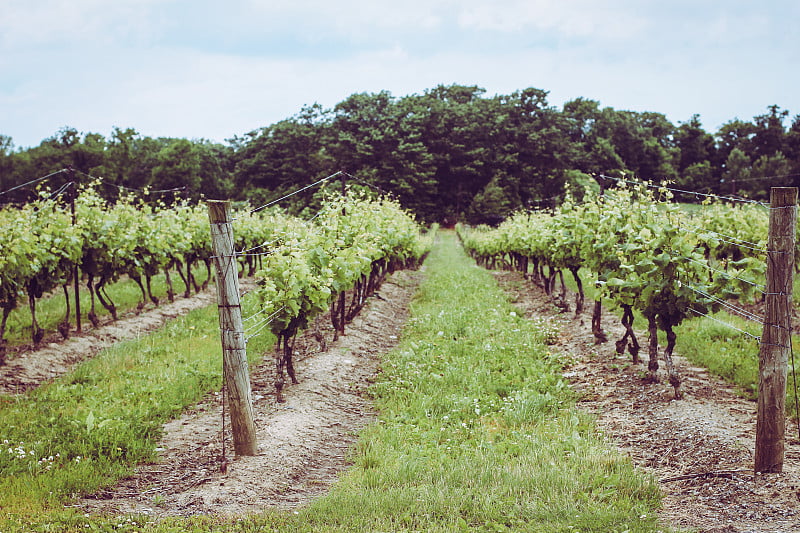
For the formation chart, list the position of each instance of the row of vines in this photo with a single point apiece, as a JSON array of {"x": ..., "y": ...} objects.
[
  {"x": 44, "y": 245},
  {"x": 310, "y": 267},
  {"x": 642, "y": 251}
]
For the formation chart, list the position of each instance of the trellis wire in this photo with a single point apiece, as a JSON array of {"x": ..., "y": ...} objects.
[
  {"x": 104, "y": 181},
  {"x": 262, "y": 245},
  {"x": 729, "y": 239},
  {"x": 683, "y": 191},
  {"x": 269, "y": 204},
  {"x": 365, "y": 183},
  {"x": 762, "y": 178},
  {"x": 738, "y": 310},
  {"x": 37, "y": 180},
  {"x": 61, "y": 190},
  {"x": 747, "y": 333},
  {"x": 727, "y": 275},
  {"x": 264, "y": 323}
]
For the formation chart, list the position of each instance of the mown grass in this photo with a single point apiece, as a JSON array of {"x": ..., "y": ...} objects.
[
  {"x": 51, "y": 309},
  {"x": 477, "y": 432}
]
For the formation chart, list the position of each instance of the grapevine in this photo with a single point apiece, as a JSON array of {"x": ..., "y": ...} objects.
[{"x": 643, "y": 251}]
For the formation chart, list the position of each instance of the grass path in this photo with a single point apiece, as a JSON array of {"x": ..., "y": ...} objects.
[{"x": 478, "y": 431}]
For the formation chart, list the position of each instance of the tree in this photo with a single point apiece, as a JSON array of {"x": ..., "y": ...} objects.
[
  {"x": 177, "y": 165},
  {"x": 495, "y": 202},
  {"x": 769, "y": 135},
  {"x": 769, "y": 171},
  {"x": 735, "y": 134},
  {"x": 289, "y": 154},
  {"x": 737, "y": 169},
  {"x": 6, "y": 163},
  {"x": 455, "y": 133},
  {"x": 694, "y": 144}
]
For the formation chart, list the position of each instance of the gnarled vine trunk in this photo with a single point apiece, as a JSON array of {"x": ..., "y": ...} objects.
[{"x": 629, "y": 339}]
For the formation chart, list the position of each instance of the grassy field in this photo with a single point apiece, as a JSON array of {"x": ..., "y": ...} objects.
[{"x": 477, "y": 430}]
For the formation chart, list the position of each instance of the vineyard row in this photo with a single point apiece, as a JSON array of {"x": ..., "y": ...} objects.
[
  {"x": 302, "y": 266},
  {"x": 643, "y": 252}
]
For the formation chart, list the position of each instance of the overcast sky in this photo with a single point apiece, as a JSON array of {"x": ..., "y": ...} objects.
[{"x": 203, "y": 69}]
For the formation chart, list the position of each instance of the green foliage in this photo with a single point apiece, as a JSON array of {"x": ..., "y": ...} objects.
[
  {"x": 451, "y": 153},
  {"x": 40, "y": 246},
  {"x": 477, "y": 431},
  {"x": 309, "y": 263},
  {"x": 644, "y": 252}
]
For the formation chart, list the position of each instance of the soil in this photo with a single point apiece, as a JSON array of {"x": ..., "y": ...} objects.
[
  {"x": 699, "y": 448},
  {"x": 304, "y": 443}
]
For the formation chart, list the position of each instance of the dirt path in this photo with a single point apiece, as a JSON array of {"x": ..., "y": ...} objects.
[
  {"x": 303, "y": 443},
  {"x": 699, "y": 448},
  {"x": 29, "y": 368}
]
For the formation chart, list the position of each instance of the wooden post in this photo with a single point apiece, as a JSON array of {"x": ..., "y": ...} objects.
[
  {"x": 342, "y": 314},
  {"x": 776, "y": 337},
  {"x": 73, "y": 193},
  {"x": 234, "y": 353}
]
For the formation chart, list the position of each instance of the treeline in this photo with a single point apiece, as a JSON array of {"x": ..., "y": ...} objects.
[{"x": 449, "y": 154}]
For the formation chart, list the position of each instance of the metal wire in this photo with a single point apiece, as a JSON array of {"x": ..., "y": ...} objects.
[
  {"x": 747, "y": 333},
  {"x": 709, "y": 267},
  {"x": 37, "y": 180},
  {"x": 738, "y": 310},
  {"x": 257, "y": 209},
  {"x": 683, "y": 191}
]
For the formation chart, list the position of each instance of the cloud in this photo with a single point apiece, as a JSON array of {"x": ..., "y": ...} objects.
[
  {"x": 196, "y": 68},
  {"x": 70, "y": 22}
]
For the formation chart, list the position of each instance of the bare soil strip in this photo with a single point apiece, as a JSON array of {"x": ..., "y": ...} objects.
[
  {"x": 699, "y": 448},
  {"x": 303, "y": 443},
  {"x": 29, "y": 367}
]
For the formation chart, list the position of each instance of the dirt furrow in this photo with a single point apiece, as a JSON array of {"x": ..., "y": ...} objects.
[{"x": 303, "y": 443}]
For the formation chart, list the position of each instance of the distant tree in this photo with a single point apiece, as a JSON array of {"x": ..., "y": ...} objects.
[
  {"x": 178, "y": 164},
  {"x": 793, "y": 148},
  {"x": 769, "y": 171},
  {"x": 736, "y": 173},
  {"x": 455, "y": 133},
  {"x": 693, "y": 143},
  {"x": 6, "y": 163},
  {"x": 735, "y": 134},
  {"x": 532, "y": 145},
  {"x": 495, "y": 202},
  {"x": 699, "y": 177},
  {"x": 769, "y": 135},
  {"x": 279, "y": 158}
]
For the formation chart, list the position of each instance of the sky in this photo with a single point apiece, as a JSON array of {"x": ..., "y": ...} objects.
[{"x": 199, "y": 69}]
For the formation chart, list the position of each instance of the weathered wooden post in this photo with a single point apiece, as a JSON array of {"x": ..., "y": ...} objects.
[
  {"x": 234, "y": 353},
  {"x": 72, "y": 194},
  {"x": 776, "y": 337}
]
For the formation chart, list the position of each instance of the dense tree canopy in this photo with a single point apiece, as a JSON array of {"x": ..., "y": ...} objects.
[{"x": 451, "y": 153}]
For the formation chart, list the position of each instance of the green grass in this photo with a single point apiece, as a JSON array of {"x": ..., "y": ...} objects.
[
  {"x": 90, "y": 427},
  {"x": 477, "y": 432},
  {"x": 124, "y": 293}
]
